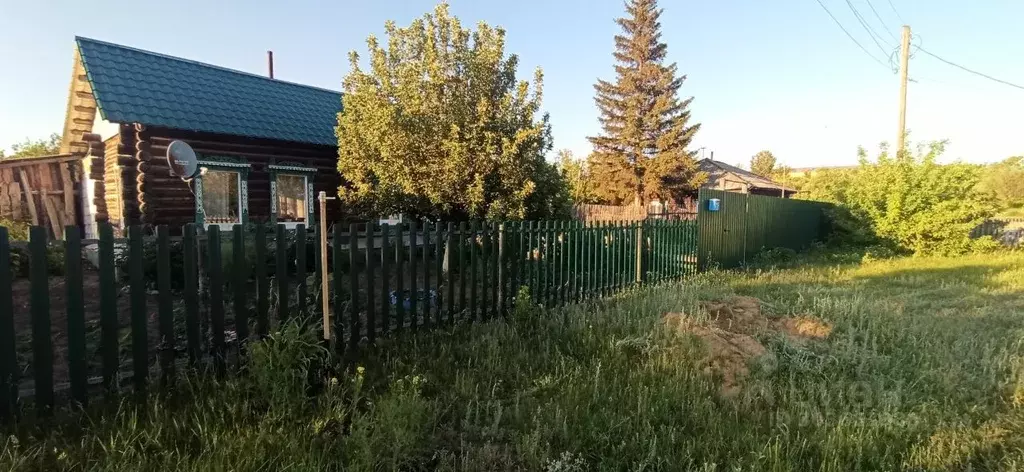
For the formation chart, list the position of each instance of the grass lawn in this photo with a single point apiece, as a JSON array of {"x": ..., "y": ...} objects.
[{"x": 923, "y": 370}]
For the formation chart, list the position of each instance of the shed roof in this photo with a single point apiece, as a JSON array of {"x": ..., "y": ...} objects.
[
  {"x": 135, "y": 86},
  {"x": 718, "y": 169}
]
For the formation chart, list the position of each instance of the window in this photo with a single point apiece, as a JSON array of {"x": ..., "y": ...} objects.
[
  {"x": 222, "y": 191},
  {"x": 291, "y": 194},
  {"x": 221, "y": 204},
  {"x": 291, "y": 198}
]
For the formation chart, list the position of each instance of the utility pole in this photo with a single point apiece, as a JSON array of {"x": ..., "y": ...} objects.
[{"x": 904, "y": 64}]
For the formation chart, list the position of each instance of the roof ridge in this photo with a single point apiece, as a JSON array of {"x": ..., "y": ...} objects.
[{"x": 78, "y": 39}]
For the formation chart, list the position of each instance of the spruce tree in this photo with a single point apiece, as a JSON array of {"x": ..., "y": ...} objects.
[{"x": 642, "y": 152}]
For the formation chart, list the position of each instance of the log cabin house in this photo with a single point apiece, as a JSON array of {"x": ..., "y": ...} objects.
[{"x": 266, "y": 147}]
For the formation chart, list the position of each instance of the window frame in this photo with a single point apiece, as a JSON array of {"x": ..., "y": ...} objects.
[
  {"x": 292, "y": 169},
  {"x": 223, "y": 164}
]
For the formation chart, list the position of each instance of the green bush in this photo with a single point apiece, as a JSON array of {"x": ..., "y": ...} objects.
[
  {"x": 16, "y": 230},
  {"x": 775, "y": 256},
  {"x": 909, "y": 202}
]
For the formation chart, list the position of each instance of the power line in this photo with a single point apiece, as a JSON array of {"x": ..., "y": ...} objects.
[
  {"x": 871, "y": 32},
  {"x": 840, "y": 25},
  {"x": 882, "y": 22},
  {"x": 958, "y": 66},
  {"x": 896, "y": 12}
]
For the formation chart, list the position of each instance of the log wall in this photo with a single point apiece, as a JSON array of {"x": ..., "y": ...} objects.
[{"x": 165, "y": 199}]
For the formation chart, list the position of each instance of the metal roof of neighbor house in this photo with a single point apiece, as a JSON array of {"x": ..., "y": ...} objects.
[
  {"x": 717, "y": 169},
  {"x": 136, "y": 86}
]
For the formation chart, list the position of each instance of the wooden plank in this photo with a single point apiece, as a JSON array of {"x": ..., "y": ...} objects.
[
  {"x": 32, "y": 161},
  {"x": 26, "y": 188},
  {"x": 14, "y": 193},
  {"x": 69, "y": 194},
  {"x": 53, "y": 217},
  {"x": 5, "y": 196}
]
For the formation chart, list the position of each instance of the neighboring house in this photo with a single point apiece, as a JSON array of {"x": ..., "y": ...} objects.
[
  {"x": 266, "y": 147},
  {"x": 807, "y": 171},
  {"x": 722, "y": 176}
]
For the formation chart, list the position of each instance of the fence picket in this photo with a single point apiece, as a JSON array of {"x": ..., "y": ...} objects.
[
  {"x": 139, "y": 315},
  {"x": 438, "y": 271},
  {"x": 165, "y": 306},
  {"x": 75, "y": 314},
  {"x": 262, "y": 282},
  {"x": 240, "y": 281},
  {"x": 413, "y": 242},
  {"x": 354, "y": 330},
  {"x": 8, "y": 350},
  {"x": 216, "y": 276},
  {"x": 371, "y": 301},
  {"x": 461, "y": 250},
  {"x": 191, "y": 295},
  {"x": 485, "y": 259},
  {"x": 385, "y": 276},
  {"x": 450, "y": 281},
  {"x": 109, "y": 325},
  {"x": 339, "y": 289},
  {"x": 400, "y": 278},
  {"x": 42, "y": 343},
  {"x": 281, "y": 271},
  {"x": 473, "y": 233},
  {"x": 301, "y": 289},
  {"x": 425, "y": 254}
]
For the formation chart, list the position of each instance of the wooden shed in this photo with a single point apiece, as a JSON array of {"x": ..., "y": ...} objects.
[
  {"x": 43, "y": 191},
  {"x": 265, "y": 146}
]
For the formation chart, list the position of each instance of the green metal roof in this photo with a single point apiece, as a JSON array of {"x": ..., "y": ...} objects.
[{"x": 135, "y": 86}]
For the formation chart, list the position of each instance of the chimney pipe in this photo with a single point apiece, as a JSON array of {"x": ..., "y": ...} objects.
[
  {"x": 712, "y": 152},
  {"x": 270, "y": 63}
]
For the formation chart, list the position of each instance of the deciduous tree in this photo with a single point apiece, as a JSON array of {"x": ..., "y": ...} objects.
[
  {"x": 642, "y": 152},
  {"x": 439, "y": 126},
  {"x": 763, "y": 164},
  {"x": 34, "y": 147}
]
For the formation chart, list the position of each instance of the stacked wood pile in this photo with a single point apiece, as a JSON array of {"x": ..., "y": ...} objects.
[{"x": 41, "y": 191}]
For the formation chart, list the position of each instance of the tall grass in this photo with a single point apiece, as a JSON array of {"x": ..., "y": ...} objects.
[{"x": 924, "y": 370}]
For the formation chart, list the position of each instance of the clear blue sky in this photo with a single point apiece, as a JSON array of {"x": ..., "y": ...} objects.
[{"x": 765, "y": 75}]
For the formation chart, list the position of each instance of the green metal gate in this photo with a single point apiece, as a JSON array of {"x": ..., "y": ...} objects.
[{"x": 744, "y": 225}]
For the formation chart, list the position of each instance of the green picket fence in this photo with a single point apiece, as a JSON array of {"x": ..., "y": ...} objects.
[
  {"x": 745, "y": 225},
  {"x": 156, "y": 305}
]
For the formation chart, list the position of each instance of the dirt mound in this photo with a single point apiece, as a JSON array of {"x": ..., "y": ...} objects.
[{"x": 728, "y": 339}]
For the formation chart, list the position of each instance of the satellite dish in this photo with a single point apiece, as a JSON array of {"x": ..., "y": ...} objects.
[{"x": 182, "y": 160}]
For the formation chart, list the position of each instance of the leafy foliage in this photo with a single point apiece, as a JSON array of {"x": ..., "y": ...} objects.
[
  {"x": 576, "y": 174},
  {"x": 642, "y": 153},
  {"x": 911, "y": 202},
  {"x": 34, "y": 147},
  {"x": 439, "y": 126},
  {"x": 763, "y": 164},
  {"x": 1005, "y": 182}
]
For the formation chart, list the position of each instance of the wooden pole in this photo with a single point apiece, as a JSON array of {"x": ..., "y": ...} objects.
[
  {"x": 904, "y": 65},
  {"x": 324, "y": 291}
]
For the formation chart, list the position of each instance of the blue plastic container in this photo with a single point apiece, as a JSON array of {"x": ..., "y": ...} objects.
[{"x": 714, "y": 204}]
